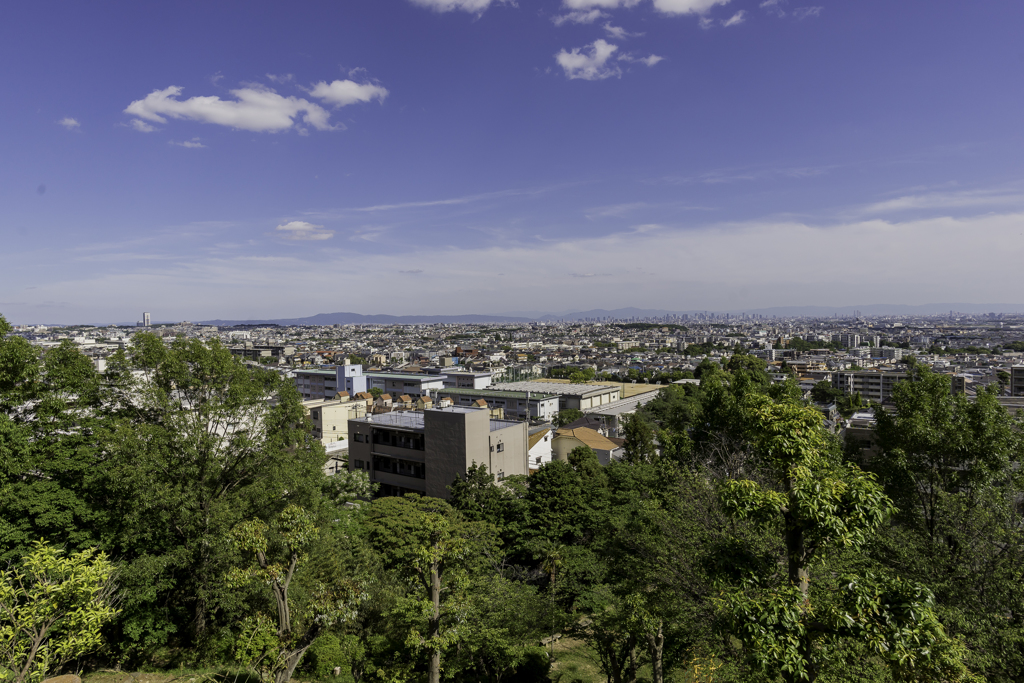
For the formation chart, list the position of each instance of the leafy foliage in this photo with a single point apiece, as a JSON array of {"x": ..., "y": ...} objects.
[{"x": 52, "y": 610}]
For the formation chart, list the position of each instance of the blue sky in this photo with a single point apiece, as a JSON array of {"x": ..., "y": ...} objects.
[{"x": 258, "y": 159}]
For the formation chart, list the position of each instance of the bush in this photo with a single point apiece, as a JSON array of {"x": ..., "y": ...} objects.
[{"x": 323, "y": 656}]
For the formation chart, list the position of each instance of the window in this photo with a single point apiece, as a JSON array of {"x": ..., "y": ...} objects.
[
  {"x": 360, "y": 438},
  {"x": 501, "y": 447}
]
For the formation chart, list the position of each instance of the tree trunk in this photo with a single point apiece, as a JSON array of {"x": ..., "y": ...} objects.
[
  {"x": 796, "y": 554},
  {"x": 200, "y": 618},
  {"x": 291, "y": 661},
  {"x": 631, "y": 669},
  {"x": 656, "y": 645},
  {"x": 435, "y": 623}
]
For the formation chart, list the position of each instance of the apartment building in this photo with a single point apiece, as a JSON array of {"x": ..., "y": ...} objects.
[
  {"x": 1017, "y": 380},
  {"x": 872, "y": 385},
  {"x": 848, "y": 341},
  {"x": 412, "y": 384},
  {"x": 351, "y": 378},
  {"x": 466, "y": 379},
  {"x": 317, "y": 384},
  {"x": 330, "y": 417},
  {"x": 424, "y": 451},
  {"x": 518, "y": 405}
]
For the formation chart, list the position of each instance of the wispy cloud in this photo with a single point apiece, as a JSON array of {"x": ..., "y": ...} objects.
[
  {"x": 948, "y": 200},
  {"x": 618, "y": 33},
  {"x": 805, "y": 12},
  {"x": 732, "y": 175},
  {"x": 442, "y": 202},
  {"x": 774, "y": 7},
  {"x": 578, "y": 17},
  {"x": 194, "y": 143},
  {"x": 649, "y": 60},
  {"x": 735, "y": 19},
  {"x": 603, "y": 4},
  {"x": 471, "y": 6},
  {"x": 301, "y": 231},
  {"x": 589, "y": 63},
  {"x": 69, "y": 123}
]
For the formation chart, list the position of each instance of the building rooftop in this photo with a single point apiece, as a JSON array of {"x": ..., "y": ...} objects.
[
  {"x": 503, "y": 393},
  {"x": 410, "y": 376},
  {"x": 624, "y": 405},
  {"x": 414, "y": 419},
  {"x": 408, "y": 419},
  {"x": 562, "y": 389}
]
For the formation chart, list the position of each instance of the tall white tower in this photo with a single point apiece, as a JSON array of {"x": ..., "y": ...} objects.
[{"x": 145, "y": 319}]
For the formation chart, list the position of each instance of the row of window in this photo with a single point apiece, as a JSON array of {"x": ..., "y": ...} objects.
[{"x": 405, "y": 468}]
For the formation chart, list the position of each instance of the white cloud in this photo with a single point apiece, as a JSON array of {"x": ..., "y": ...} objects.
[
  {"x": 590, "y": 62},
  {"x": 471, "y": 6},
  {"x": 804, "y": 12},
  {"x": 256, "y": 108},
  {"x": 194, "y": 143},
  {"x": 649, "y": 60},
  {"x": 604, "y": 4},
  {"x": 948, "y": 200},
  {"x": 578, "y": 17},
  {"x": 286, "y": 78},
  {"x": 343, "y": 93},
  {"x": 301, "y": 231},
  {"x": 686, "y": 6},
  {"x": 142, "y": 126},
  {"x": 618, "y": 33},
  {"x": 69, "y": 123},
  {"x": 706, "y": 23},
  {"x": 774, "y": 7},
  {"x": 735, "y": 19}
]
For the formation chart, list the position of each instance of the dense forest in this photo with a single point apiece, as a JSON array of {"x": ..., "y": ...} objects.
[{"x": 173, "y": 512}]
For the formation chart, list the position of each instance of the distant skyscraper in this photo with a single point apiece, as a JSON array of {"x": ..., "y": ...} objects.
[{"x": 145, "y": 319}]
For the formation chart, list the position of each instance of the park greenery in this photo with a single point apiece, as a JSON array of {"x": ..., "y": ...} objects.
[{"x": 173, "y": 512}]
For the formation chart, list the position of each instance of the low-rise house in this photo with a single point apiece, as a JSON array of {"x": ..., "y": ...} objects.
[{"x": 567, "y": 439}]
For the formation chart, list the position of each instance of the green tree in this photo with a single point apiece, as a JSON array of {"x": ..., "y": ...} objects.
[
  {"x": 53, "y": 464},
  {"x": 566, "y": 416},
  {"x": 196, "y": 442},
  {"x": 951, "y": 465},
  {"x": 277, "y": 656},
  {"x": 824, "y": 393},
  {"x": 639, "y": 437},
  {"x": 822, "y": 506},
  {"x": 434, "y": 550},
  {"x": 52, "y": 610}
]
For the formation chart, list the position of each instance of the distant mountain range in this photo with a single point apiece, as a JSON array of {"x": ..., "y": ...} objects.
[{"x": 625, "y": 313}]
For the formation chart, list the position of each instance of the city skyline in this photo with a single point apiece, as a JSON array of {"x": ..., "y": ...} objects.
[{"x": 248, "y": 161}]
